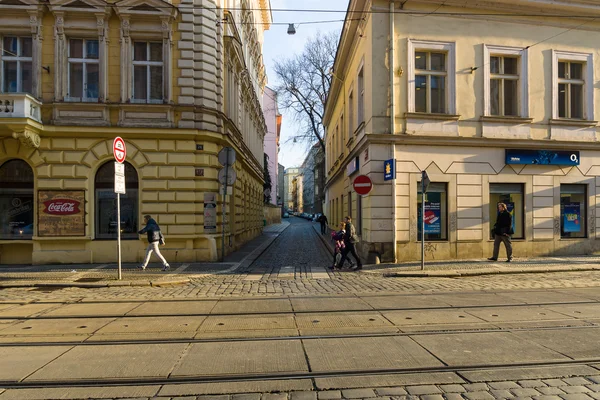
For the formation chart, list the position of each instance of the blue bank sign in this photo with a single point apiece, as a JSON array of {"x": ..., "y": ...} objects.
[
  {"x": 542, "y": 157},
  {"x": 389, "y": 170}
]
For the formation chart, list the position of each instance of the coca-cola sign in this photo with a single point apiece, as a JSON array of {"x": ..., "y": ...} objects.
[{"x": 61, "y": 207}]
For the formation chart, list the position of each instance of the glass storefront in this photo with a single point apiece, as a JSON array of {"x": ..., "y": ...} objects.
[
  {"x": 106, "y": 203},
  {"x": 436, "y": 212},
  {"x": 16, "y": 200},
  {"x": 573, "y": 206},
  {"x": 510, "y": 194}
]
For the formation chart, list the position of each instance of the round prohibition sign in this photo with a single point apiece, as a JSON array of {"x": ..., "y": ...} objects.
[
  {"x": 362, "y": 185},
  {"x": 119, "y": 150}
]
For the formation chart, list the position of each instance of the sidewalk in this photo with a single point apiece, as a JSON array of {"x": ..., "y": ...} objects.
[
  {"x": 460, "y": 268},
  {"x": 105, "y": 275}
]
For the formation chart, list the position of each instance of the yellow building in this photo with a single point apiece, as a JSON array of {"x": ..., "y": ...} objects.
[
  {"x": 177, "y": 81},
  {"x": 495, "y": 100}
]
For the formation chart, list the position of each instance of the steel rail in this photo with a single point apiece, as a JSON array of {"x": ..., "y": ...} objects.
[
  {"x": 91, "y": 342},
  {"x": 293, "y": 312},
  {"x": 249, "y": 377}
]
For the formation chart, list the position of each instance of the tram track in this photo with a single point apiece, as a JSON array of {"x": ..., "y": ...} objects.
[
  {"x": 252, "y": 377},
  {"x": 292, "y": 312},
  {"x": 107, "y": 342}
]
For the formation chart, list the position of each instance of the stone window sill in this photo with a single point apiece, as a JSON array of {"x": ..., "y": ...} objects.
[
  {"x": 506, "y": 120},
  {"x": 573, "y": 122},
  {"x": 433, "y": 116}
]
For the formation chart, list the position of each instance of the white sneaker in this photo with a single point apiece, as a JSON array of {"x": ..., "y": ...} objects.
[{"x": 166, "y": 267}]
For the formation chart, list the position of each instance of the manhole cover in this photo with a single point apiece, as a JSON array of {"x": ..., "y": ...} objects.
[{"x": 88, "y": 280}]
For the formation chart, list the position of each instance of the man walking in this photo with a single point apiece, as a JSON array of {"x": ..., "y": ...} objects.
[
  {"x": 502, "y": 231},
  {"x": 350, "y": 239},
  {"x": 323, "y": 221},
  {"x": 154, "y": 238}
]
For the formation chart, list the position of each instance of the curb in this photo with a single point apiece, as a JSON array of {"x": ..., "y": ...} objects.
[
  {"x": 250, "y": 258},
  {"x": 105, "y": 284},
  {"x": 325, "y": 242},
  {"x": 457, "y": 274}
]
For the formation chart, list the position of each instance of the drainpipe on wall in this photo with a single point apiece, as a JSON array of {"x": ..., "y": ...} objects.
[{"x": 392, "y": 126}]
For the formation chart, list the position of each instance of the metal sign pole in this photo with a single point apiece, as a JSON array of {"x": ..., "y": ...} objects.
[
  {"x": 119, "y": 232},
  {"x": 423, "y": 224},
  {"x": 224, "y": 210}
]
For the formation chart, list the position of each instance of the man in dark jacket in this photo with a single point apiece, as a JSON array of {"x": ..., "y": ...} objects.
[
  {"x": 323, "y": 220},
  {"x": 502, "y": 231},
  {"x": 154, "y": 238},
  {"x": 350, "y": 239}
]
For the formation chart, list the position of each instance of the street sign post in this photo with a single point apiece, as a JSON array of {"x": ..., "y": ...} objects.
[
  {"x": 120, "y": 153},
  {"x": 227, "y": 177},
  {"x": 362, "y": 185},
  {"x": 425, "y": 181}
]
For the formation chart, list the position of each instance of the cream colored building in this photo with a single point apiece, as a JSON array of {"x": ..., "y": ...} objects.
[
  {"x": 496, "y": 108},
  {"x": 177, "y": 81}
]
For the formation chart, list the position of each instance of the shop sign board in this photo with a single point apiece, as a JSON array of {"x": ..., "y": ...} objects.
[
  {"x": 210, "y": 213},
  {"x": 433, "y": 214},
  {"x": 389, "y": 170},
  {"x": 572, "y": 217},
  {"x": 61, "y": 213},
  {"x": 542, "y": 157},
  {"x": 352, "y": 166}
]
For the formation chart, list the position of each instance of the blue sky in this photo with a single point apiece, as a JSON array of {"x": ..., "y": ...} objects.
[{"x": 279, "y": 45}]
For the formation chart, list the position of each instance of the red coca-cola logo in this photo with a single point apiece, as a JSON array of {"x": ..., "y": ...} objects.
[{"x": 61, "y": 207}]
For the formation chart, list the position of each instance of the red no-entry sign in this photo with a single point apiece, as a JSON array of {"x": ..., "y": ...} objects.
[
  {"x": 119, "y": 149},
  {"x": 362, "y": 185}
]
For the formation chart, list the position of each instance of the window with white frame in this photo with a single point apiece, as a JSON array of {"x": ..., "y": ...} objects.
[
  {"x": 16, "y": 64},
  {"x": 84, "y": 70},
  {"x": 351, "y": 113},
  {"x": 506, "y": 81},
  {"x": 147, "y": 72},
  {"x": 572, "y": 77},
  {"x": 360, "y": 109},
  {"x": 431, "y": 77}
]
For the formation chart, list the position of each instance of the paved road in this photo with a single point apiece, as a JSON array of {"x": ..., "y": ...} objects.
[{"x": 343, "y": 322}]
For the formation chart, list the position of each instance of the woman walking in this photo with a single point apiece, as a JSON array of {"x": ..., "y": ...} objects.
[{"x": 155, "y": 238}]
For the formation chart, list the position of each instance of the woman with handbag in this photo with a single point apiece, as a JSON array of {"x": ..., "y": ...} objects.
[
  {"x": 350, "y": 239},
  {"x": 502, "y": 231},
  {"x": 155, "y": 238}
]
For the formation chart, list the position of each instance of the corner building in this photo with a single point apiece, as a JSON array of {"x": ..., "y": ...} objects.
[
  {"x": 496, "y": 108},
  {"x": 177, "y": 81}
]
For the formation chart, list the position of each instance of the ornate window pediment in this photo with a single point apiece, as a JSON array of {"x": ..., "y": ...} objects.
[
  {"x": 149, "y": 8},
  {"x": 82, "y": 6}
]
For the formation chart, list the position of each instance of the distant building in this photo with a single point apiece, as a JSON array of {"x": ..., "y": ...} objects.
[
  {"x": 289, "y": 176},
  {"x": 297, "y": 190},
  {"x": 271, "y": 146},
  {"x": 308, "y": 184}
]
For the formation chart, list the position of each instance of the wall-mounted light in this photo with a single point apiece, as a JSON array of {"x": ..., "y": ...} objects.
[{"x": 291, "y": 29}]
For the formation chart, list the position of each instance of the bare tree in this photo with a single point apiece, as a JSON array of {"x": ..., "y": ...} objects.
[{"x": 304, "y": 82}]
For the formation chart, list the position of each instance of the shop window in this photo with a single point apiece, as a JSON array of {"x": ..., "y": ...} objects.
[
  {"x": 436, "y": 212},
  {"x": 106, "y": 203},
  {"x": 510, "y": 194},
  {"x": 16, "y": 200},
  {"x": 573, "y": 204}
]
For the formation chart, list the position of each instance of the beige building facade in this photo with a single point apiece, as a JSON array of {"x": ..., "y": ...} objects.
[
  {"x": 495, "y": 108},
  {"x": 178, "y": 81}
]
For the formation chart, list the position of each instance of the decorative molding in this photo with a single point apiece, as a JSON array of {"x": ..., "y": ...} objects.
[{"x": 28, "y": 138}]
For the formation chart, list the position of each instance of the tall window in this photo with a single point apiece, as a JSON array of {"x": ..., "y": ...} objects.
[
  {"x": 573, "y": 206},
  {"x": 430, "y": 82},
  {"x": 147, "y": 72},
  {"x": 351, "y": 114},
  {"x": 504, "y": 86},
  {"x": 16, "y": 200},
  {"x": 84, "y": 70},
  {"x": 571, "y": 84},
  {"x": 342, "y": 135},
  {"x": 360, "y": 109},
  {"x": 510, "y": 194},
  {"x": 436, "y": 212},
  {"x": 16, "y": 64},
  {"x": 106, "y": 209}
]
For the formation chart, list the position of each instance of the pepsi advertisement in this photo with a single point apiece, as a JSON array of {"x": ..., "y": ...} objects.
[{"x": 542, "y": 157}]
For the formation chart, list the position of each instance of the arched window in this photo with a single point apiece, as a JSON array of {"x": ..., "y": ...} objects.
[
  {"x": 16, "y": 200},
  {"x": 106, "y": 203}
]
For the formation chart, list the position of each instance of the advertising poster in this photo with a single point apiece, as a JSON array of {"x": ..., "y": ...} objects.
[
  {"x": 541, "y": 157},
  {"x": 210, "y": 213},
  {"x": 61, "y": 213},
  {"x": 433, "y": 214},
  {"x": 572, "y": 217}
]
